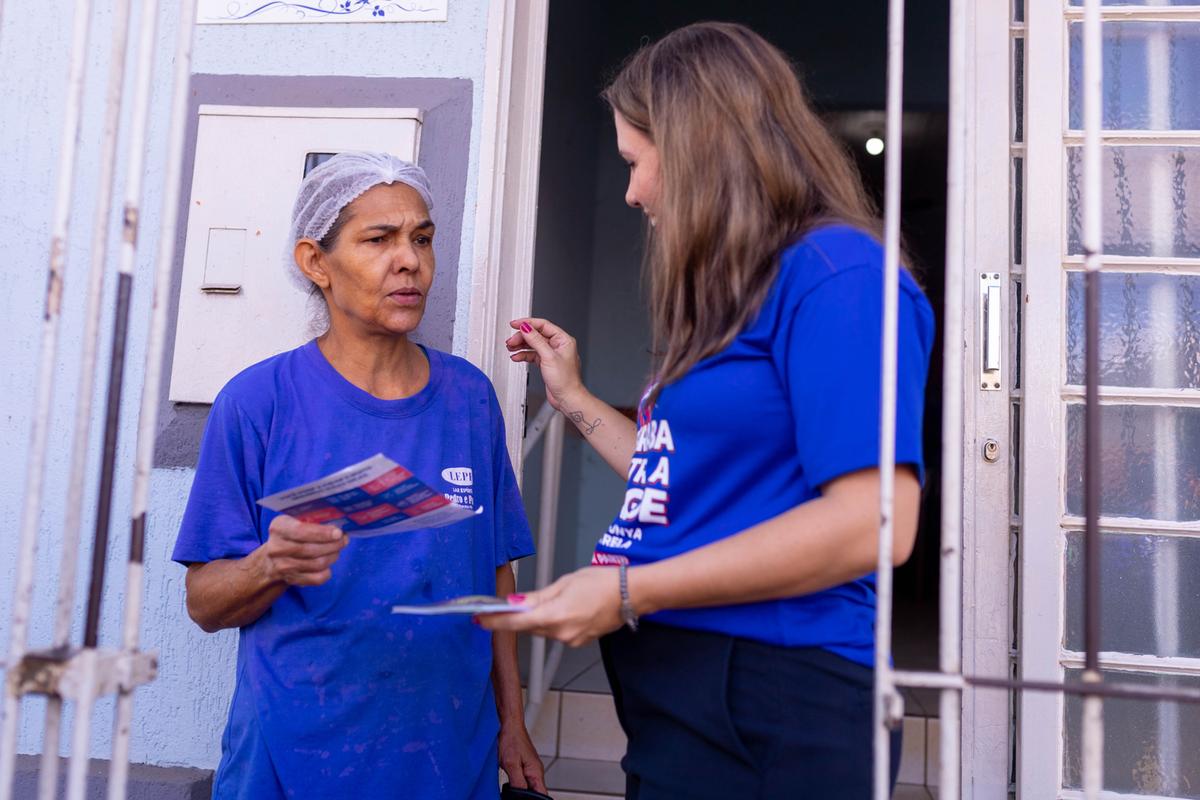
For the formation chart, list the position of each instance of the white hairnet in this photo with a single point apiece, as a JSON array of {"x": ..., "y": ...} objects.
[{"x": 332, "y": 186}]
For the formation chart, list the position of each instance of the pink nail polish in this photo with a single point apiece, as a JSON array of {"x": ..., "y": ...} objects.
[
  {"x": 525, "y": 326},
  {"x": 516, "y": 598}
]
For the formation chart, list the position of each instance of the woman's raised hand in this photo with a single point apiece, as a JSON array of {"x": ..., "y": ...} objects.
[
  {"x": 302, "y": 553},
  {"x": 554, "y": 351},
  {"x": 538, "y": 341}
]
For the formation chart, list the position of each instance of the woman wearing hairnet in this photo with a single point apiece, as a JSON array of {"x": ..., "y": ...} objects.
[{"x": 335, "y": 696}]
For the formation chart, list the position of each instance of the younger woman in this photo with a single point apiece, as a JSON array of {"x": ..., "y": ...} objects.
[{"x": 734, "y": 588}]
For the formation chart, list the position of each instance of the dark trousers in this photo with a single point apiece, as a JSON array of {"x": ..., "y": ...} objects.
[{"x": 716, "y": 717}]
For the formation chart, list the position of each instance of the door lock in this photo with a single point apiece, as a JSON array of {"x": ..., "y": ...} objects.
[
  {"x": 991, "y": 451},
  {"x": 990, "y": 330}
]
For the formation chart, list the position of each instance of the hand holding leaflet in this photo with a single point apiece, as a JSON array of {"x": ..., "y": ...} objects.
[{"x": 370, "y": 498}]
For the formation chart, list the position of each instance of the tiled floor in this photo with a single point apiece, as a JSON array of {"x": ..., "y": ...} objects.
[
  {"x": 579, "y": 671},
  {"x": 579, "y": 775}
]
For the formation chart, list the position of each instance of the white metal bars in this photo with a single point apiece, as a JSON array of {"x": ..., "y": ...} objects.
[
  {"x": 143, "y": 74},
  {"x": 43, "y": 393},
  {"x": 76, "y": 482},
  {"x": 542, "y": 667},
  {"x": 89, "y": 673},
  {"x": 78, "y": 767},
  {"x": 888, "y": 707},
  {"x": 953, "y": 390},
  {"x": 152, "y": 387},
  {"x": 1093, "y": 721}
]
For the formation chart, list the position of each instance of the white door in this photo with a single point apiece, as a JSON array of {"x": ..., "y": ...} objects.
[{"x": 1150, "y": 389}]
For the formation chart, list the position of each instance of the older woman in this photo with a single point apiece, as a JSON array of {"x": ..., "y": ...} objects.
[{"x": 335, "y": 696}]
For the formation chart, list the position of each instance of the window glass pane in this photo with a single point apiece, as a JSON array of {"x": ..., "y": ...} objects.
[
  {"x": 314, "y": 160},
  {"x": 1149, "y": 75},
  {"x": 1016, "y": 459},
  {"x": 1014, "y": 590},
  {"x": 1018, "y": 10},
  {"x": 1018, "y": 306},
  {"x": 1018, "y": 210},
  {"x": 1150, "y": 461},
  {"x": 1149, "y": 747},
  {"x": 1150, "y": 200},
  {"x": 1018, "y": 123},
  {"x": 1150, "y": 595},
  {"x": 1149, "y": 330}
]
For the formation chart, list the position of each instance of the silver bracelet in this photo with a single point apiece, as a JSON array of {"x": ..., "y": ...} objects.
[{"x": 628, "y": 615}]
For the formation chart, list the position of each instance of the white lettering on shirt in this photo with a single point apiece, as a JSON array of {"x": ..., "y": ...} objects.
[
  {"x": 662, "y": 472},
  {"x": 655, "y": 436}
]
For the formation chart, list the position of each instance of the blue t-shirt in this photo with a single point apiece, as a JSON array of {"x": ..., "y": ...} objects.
[
  {"x": 758, "y": 428},
  {"x": 335, "y": 695}
]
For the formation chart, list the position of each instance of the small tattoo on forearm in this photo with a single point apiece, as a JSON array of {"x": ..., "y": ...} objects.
[{"x": 588, "y": 428}]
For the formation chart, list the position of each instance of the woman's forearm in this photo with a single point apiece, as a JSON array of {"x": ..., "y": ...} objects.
[
  {"x": 506, "y": 678},
  {"x": 822, "y": 543},
  {"x": 610, "y": 432},
  {"x": 231, "y": 592}
]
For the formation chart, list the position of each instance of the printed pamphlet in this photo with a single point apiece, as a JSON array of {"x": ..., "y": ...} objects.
[{"x": 370, "y": 498}]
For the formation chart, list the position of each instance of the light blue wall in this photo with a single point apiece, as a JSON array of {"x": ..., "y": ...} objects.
[{"x": 178, "y": 718}]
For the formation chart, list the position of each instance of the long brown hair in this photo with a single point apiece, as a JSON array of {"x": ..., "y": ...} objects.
[{"x": 747, "y": 168}]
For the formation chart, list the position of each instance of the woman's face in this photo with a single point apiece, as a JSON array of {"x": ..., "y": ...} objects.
[
  {"x": 378, "y": 273},
  {"x": 642, "y": 157}
]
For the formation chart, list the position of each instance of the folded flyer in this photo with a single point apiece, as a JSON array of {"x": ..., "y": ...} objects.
[
  {"x": 468, "y": 604},
  {"x": 370, "y": 498}
]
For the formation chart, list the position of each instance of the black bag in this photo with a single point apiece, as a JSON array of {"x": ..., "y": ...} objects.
[{"x": 510, "y": 792}]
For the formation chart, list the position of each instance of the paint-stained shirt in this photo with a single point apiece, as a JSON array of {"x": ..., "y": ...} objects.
[
  {"x": 756, "y": 429},
  {"x": 336, "y": 696}
]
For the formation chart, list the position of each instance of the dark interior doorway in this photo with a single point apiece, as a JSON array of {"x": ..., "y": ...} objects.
[{"x": 587, "y": 272}]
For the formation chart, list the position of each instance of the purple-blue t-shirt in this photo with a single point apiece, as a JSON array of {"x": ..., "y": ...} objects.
[
  {"x": 336, "y": 696},
  {"x": 758, "y": 428}
]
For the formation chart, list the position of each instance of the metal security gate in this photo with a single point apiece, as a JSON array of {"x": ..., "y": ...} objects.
[
  {"x": 64, "y": 671},
  {"x": 1103, "y": 378}
]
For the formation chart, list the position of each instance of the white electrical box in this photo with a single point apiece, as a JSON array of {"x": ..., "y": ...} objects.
[{"x": 236, "y": 303}]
